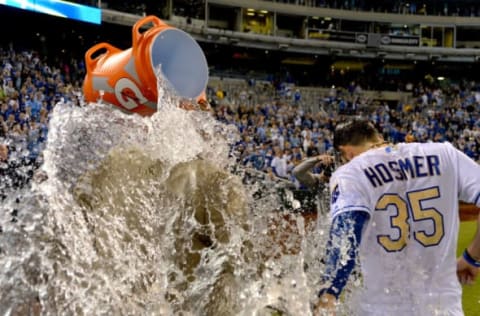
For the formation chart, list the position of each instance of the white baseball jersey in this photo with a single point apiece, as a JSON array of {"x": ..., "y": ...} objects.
[{"x": 408, "y": 249}]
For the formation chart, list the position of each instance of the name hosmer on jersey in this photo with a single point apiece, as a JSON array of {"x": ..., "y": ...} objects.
[{"x": 403, "y": 169}]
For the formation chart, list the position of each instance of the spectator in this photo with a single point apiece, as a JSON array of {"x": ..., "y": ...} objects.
[{"x": 279, "y": 164}]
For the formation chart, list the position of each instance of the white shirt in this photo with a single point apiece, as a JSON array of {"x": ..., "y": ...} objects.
[
  {"x": 408, "y": 249},
  {"x": 280, "y": 165}
]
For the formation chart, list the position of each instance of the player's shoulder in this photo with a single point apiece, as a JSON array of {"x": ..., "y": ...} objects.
[
  {"x": 440, "y": 147},
  {"x": 346, "y": 171}
]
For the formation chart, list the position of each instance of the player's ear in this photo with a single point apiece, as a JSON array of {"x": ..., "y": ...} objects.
[
  {"x": 350, "y": 151},
  {"x": 344, "y": 153},
  {"x": 350, "y": 154}
]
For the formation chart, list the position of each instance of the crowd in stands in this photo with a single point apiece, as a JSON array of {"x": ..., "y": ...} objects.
[
  {"x": 29, "y": 90},
  {"x": 425, "y": 7},
  {"x": 277, "y": 128}
]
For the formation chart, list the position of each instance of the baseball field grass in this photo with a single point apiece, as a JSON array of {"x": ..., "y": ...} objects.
[{"x": 471, "y": 293}]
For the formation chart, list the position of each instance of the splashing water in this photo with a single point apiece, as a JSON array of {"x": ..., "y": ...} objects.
[{"x": 142, "y": 215}]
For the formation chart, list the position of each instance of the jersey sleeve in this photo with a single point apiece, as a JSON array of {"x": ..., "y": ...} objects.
[
  {"x": 468, "y": 178},
  {"x": 347, "y": 194},
  {"x": 341, "y": 250}
]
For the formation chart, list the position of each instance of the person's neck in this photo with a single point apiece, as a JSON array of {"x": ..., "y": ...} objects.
[
  {"x": 381, "y": 143},
  {"x": 371, "y": 145},
  {"x": 353, "y": 151}
]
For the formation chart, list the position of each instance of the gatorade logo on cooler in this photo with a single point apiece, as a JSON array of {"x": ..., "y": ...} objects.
[{"x": 128, "y": 94}]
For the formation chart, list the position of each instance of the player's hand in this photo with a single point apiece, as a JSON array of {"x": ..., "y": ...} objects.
[
  {"x": 326, "y": 159},
  {"x": 204, "y": 105},
  {"x": 325, "y": 306},
  {"x": 466, "y": 273},
  {"x": 190, "y": 105}
]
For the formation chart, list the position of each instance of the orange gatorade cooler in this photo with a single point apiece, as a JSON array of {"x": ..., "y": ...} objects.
[{"x": 127, "y": 78}]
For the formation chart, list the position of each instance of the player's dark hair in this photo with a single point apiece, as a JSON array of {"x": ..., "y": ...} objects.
[{"x": 354, "y": 132}]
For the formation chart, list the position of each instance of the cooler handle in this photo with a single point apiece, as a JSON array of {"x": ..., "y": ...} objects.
[
  {"x": 90, "y": 62},
  {"x": 136, "y": 35}
]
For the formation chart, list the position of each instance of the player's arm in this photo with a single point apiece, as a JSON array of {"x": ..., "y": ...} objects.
[
  {"x": 474, "y": 247},
  {"x": 468, "y": 264},
  {"x": 303, "y": 170},
  {"x": 341, "y": 253}
]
